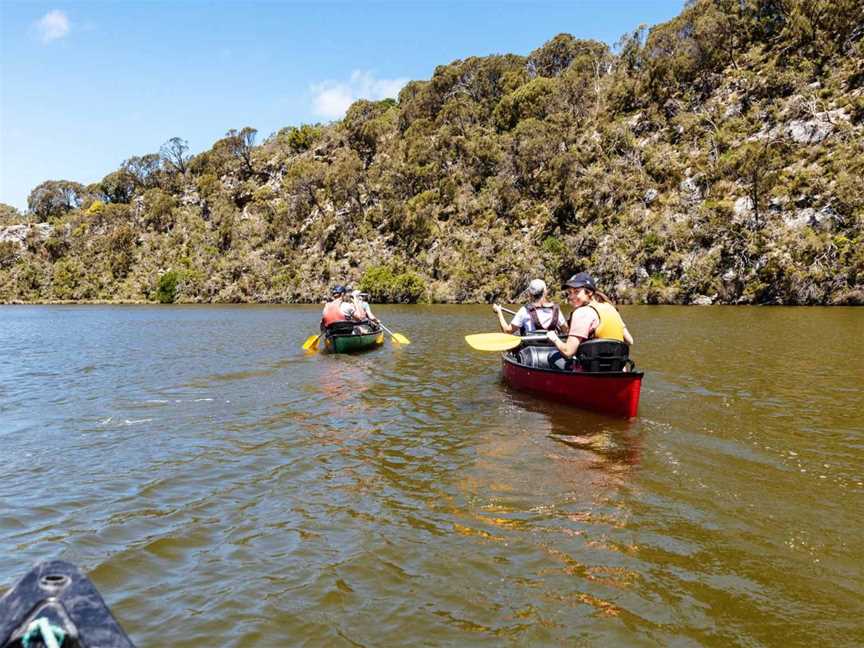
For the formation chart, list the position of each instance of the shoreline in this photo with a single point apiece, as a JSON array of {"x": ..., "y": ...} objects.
[{"x": 141, "y": 302}]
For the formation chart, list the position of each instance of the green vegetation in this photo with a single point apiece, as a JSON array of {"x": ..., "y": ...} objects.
[
  {"x": 385, "y": 284},
  {"x": 715, "y": 157},
  {"x": 166, "y": 291}
]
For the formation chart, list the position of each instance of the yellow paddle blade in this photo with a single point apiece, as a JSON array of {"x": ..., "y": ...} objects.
[
  {"x": 311, "y": 343},
  {"x": 493, "y": 341},
  {"x": 401, "y": 339}
]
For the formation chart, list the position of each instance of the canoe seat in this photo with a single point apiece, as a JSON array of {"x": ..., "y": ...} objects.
[
  {"x": 351, "y": 327},
  {"x": 604, "y": 355}
]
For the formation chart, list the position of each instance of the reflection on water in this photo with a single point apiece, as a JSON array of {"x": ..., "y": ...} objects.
[
  {"x": 613, "y": 444},
  {"x": 219, "y": 484}
]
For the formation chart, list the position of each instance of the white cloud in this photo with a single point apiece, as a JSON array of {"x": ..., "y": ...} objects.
[
  {"x": 53, "y": 25},
  {"x": 332, "y": 98}
]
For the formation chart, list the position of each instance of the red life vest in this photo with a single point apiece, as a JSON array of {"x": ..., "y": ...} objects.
[{"x": 332, "y": 313}]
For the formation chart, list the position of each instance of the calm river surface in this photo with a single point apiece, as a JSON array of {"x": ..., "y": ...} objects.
[{"x": 222, "y": 488}]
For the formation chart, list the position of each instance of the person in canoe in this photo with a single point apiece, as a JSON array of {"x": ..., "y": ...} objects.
[
  {"x": 338, "y": 309},
  {"x": 539, "y": 315},
  {"x": 593, "y": 316},
  {"x": 363, "y": 313},
  {"x": 362, "y": 310}
]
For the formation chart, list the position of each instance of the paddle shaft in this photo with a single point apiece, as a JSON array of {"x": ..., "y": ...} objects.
[{"x": 533, "y": 338}]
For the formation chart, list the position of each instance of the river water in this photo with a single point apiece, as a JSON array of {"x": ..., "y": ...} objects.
[{"x": 221, "y": 487}]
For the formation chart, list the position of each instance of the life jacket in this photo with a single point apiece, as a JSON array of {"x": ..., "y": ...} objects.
[
  {"x": 611, "y": 326},
  {"x": 535, "y": 319},
  {"x": 332, "y": 313}
]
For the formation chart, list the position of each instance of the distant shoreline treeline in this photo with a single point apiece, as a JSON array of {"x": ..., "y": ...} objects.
[{"x": 715, "y": 158}]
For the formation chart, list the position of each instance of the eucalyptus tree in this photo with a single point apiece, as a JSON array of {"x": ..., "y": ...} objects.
[
  {"x": 175, "y": 154},
  {"x": 54, "y": 198}
]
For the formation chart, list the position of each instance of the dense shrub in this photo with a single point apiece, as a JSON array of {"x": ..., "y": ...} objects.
[
  {"x": 166, "y": 290},
  {"x": 384, "y": 284}
]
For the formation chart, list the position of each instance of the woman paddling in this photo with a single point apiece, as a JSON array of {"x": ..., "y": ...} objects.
[
  {"x": 539, "y": 315},
  {"x": 593, "y": 316}
]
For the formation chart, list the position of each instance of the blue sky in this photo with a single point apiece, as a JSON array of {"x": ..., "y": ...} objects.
[{"x": 85, "y": 85}]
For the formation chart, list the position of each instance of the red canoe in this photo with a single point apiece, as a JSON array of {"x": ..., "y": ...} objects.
[{"x": 609, "y": 392}]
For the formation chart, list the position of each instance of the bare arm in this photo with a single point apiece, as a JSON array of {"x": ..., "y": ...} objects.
[
  {"x": 627, "y": 337},
  {"x": 567, "y": 347},
  {"x": 507, "y": 328},
  {"x": 565, "y": 327}
]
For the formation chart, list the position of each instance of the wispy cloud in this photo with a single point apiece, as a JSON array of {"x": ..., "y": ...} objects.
[
  {"x": 332, "y": 98},
  {"x": 52, "y": 26}
]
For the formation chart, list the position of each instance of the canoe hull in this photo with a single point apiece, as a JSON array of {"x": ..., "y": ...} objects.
[
  {"x": 350, "y": 343},
  {"x": 61, "y": 595},
  {"x": 613, "y": 393}
]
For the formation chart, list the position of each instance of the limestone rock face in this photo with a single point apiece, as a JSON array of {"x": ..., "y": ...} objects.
[
  {"x": 691, "y": 192},
  {"x": 813, "y": 131},
  {"x": 809, "y": 132},
  {"x": 798, "y": 218},
  {"x": 742, "y": 209},
  {"x": 702, "y": 300},
  {"x": 825, "y": 218},
  {"x": 650, "y": 196},
  {"x": 190, "y": 198},
  {"x": 19, "y": 233}
]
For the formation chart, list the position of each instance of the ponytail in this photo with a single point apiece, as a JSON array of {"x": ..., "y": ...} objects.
[{"x": 602, "y": 297}]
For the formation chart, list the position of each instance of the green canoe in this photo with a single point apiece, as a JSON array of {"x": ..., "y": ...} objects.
[{"x": 357, "y": 338}]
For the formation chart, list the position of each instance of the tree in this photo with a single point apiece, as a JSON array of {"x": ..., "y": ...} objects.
[
  {"x": 343, "y": 177},
  {"x": 118, "y": 187},
  {"x": 54, "y": 198},
  {"x": 364, "y": 123},
  {"x": 144, "y": 170},
  {"x": 555, "y": 56},
  {"x": 9, "y": 215},
  {"x": 303, "y": 179},
  {"x": 174, "y": 153},
  {"x": 299, "y": 139},
  {"x": 240, "y": 144},
  {"x": 757, "y": 164},
  {"x": 530, "y": 100}
]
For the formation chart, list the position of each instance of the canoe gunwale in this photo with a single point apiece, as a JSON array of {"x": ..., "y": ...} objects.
[{"x": 507, "y": 357}]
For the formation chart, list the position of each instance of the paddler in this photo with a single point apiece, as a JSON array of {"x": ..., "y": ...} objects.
[
  {"x": 362, "y": 310},
  {"x": 338, "y": 309},
  {"x": 538, "y": 315},
  {"x": 593, "y": 316}
]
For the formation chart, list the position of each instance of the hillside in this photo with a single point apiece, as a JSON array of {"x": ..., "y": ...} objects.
[{"x": 716, "y": 158}]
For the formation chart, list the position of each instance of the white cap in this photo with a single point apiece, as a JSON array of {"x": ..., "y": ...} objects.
[
  {"x": 356, "y": 293},
  {"x": 536, "y": 287}
]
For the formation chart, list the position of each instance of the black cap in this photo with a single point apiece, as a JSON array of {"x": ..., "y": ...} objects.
[
  {"x": 582, "y": 280},
  {"x": 338, "y": 290}
]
